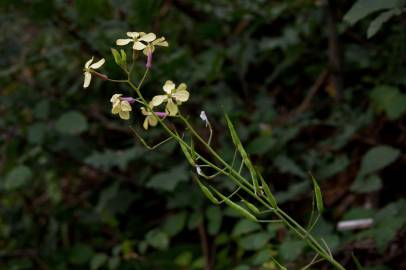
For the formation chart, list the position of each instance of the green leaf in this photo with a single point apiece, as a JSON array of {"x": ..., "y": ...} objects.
[
  {"x": 117, "y": 56},
  {"x": 390, "y": 100},
  {"x": 237, "y": 142},
  {"x": 80, "y": 254},
  {"x": 382, "y": 18},
  {"x": 291, "y": 249},
  {"x": 378, "y": 158},
  {"x": 317, "y": 194},
  {"x": 254, "y": 241},
  {"x": 168, "y": 180},
  {"x": 365, "y": 184},
  {"x": 214, "y": 218},
  {"x": 71, "y": 123},
  {"x": 17, "y": 177},
  {"x": 184, "y": 259},
  {"x": 98, "y": 261},
  {"x": 174, "y": 224},
  {"x": 245, "y": 226},
  {"x": 36, "y": 133},
  {"x": 363, "y": 8},
  {"x": 287, "y": 165},
  {"x": 157, "y": 239},
  {"x": 269, "y": 196}
]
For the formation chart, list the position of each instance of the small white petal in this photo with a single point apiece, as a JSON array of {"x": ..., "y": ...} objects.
[
  {"x": 115, "y": 98},
  {"x": 125, "y": 106},
  {"x": 172, "y": 108},
  {"x": 88, "y": 63},
  {"x": 139, "y": 46},
  {"x": 157, "y": 100},
  {"x": 145, "y": 124},
  {"x": 181, "y": 96},
  {"x": 203, "y": 116},
  {"x": 199, "y": 170},
  {"x": 123, "y": 41},
  {"x": 116, "y": 108},
  {"x": 133, "y": 34},
  {"x": 148, "y": 37},
  {"x": 88, "y": 78},
  {"x": 168, "y": 87},
  {"x": 124, "y": 115},
  {"x": 98, "y": 64}
]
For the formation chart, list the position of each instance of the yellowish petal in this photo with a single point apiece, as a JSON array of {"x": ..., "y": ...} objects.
[
  {"x": 148, "y": 37},
  {"x": 116, "y": 108},
  {"x": 139, "y": 46},
  {"x": 88, "y": 78},
  {"x": 168, "y": 87},
  {"x": 172, "y": 108},
  {"x": 157, "y": 100},
  {"x": 181, "y": 87},
  {"x": 181, "y": 96},
  {"x": 115, "y": 98},
  {"x": 98, "y": 64},
  {"x": 145, "y": 124},
  {"x": 88, "y": 63},
  {"x": 133, "y": 34},
  {"x": 124, "y": 115},
  {"x": 123, "y": 41},
  {"x": 153, "y": 121},
  {"x": 125, "y": 106}
]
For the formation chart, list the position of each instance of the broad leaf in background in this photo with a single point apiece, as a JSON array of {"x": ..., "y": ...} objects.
[
  {"x": 17, "y": 178},
  {"x": 71, "y": 123},
  {"x": 382, "y": 18},
  {"x": 363, "y": 8},
  {"x": 390, "y": 100},
  {"x": 168, "y": 180}
]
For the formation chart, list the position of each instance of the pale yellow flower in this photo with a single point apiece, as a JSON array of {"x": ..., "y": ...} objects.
[
  {"x": 150, "y": 48},
  {"x": 120, "y": 107},
  {"x": 150, "y": 119},
  {"x": 89, "y": 67},
  {"x": 174, "y": 97},
  {"x": 140, "y": 40}
]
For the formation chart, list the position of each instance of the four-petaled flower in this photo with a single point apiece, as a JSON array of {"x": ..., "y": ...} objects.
[
  {"x": 150, "y": 118},
  {"x": 137, "y": 38},
  {"x": 121, "y": 106},
  {"x": 174, "y": 97},
  {"x": 89, "y": 68},
  {"x": 150, "y": 48}
]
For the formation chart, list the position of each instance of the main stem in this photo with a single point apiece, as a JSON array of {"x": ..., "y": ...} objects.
[{"x": 238, "y": 179}]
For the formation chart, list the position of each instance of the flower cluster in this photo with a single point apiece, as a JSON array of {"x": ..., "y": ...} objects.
[{"x": 121, "y": 105}]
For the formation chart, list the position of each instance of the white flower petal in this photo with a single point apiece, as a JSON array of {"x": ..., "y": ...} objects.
[
  {"x": 88, "y": 63},
  {"x": 148, "y": 37},
  {"x": 124, "y": 115},
  {"x": 98, "y": 64},
  {"x": 181, "y": 87},
  {"x": 139, "y": 46},
  {"x": 88, "y": 78},
  {"x": 125, "y": 106},
  {"x": 203, "y": 116},
  {"x": 153, "y": 121},
  {"x": 133, "y": 34},
  {"x": 168, "y": 87},
  {"x": 157, "y": 100},
  {"x": 145, "y": 124},
  {"x": 171, "y": 108},
  {"x": 115, "y": 98},
  {"x": 181, "y": 96},
  {"x": 123, "y": 41},
  {"x": 116, "y": 108}
]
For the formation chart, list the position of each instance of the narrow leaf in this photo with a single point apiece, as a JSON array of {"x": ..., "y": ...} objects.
[
  {"x": 117, "y": 56},
  {"x": 317, "y": 193},
  {"x": 357, "y": 263},
  {"x": 269, "y": 196}
]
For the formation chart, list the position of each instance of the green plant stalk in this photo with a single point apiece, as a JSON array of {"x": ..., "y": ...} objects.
[{"x": 238, "y": 179}]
